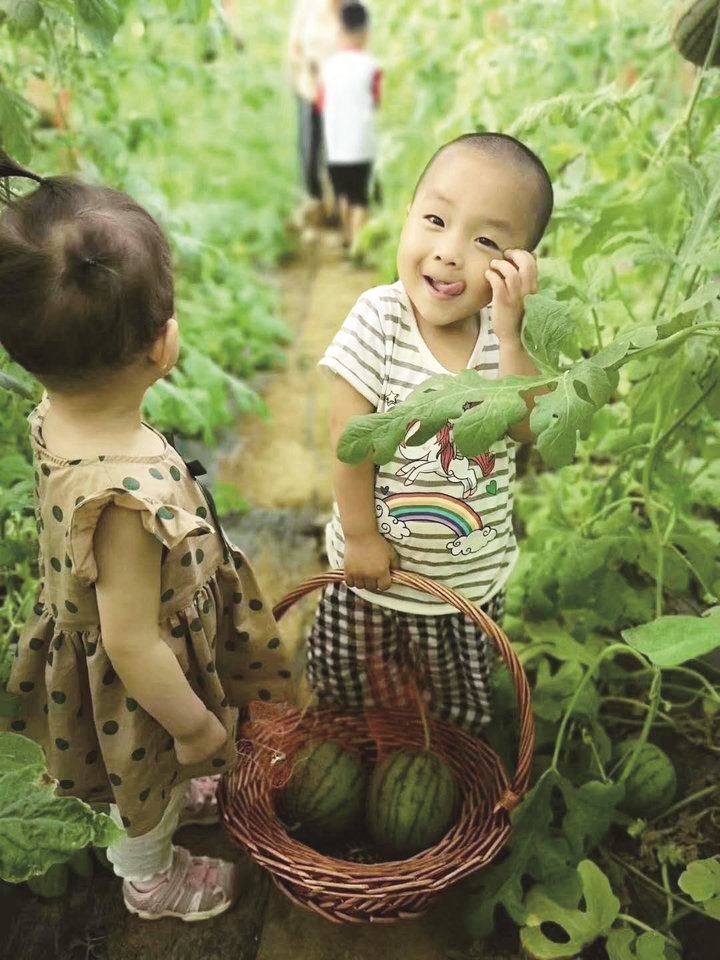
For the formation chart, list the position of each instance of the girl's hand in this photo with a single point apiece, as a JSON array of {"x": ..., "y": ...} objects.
[
  {"x": 368, "y": 561},
  {"x": 511, "y": 279},
  {"x": 206, "y": 741}
]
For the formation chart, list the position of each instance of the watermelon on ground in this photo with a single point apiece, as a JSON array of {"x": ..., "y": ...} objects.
[{"x": 652, "y": 783}]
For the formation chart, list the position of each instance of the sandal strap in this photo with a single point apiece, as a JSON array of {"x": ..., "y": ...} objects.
[{"x": 193, "y": 885}]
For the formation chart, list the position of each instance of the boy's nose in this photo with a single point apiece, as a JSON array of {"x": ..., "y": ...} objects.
[{"x": 451, "y": 259}]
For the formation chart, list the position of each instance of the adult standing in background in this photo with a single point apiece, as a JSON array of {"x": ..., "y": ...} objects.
[{"x": 314, "y": 36}]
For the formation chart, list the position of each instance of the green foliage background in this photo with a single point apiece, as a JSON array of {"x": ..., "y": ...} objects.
[
  {"x": 620, "y": 538},
  {"x": 613, "y": 605}
]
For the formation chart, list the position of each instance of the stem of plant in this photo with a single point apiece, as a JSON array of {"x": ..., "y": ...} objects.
[
  {"x": 608, "y": 507},
  {"x": 666, "y": 884},
  {"x": 687, "y": 413},
  {"x": 653, "y": 706},
  {"x": 711, "y": 690},
  {"x": 685, "y": 802},
  {"x": 708, "y": 592},
  {"x": 652, "y": 883},
  {"x": 621, "y": 296},
  {"x": 604, "y": 655},
  {"x": 598, "y": 761},
  {"x": 598, "y": 332},
  {"x": 643, "y": 926},
  {"x": 635, "y": 703}
]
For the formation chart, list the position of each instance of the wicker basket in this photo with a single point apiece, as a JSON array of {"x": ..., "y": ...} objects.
[{"x": 345, "y": 891}]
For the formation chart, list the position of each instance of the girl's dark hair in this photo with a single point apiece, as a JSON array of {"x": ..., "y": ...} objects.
[
  {"x": 513, "y": 151},
  {"x": 86, "y": 278}
]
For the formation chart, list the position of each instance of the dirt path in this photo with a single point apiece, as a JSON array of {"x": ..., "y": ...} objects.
[{"x": 282, "y": 465}]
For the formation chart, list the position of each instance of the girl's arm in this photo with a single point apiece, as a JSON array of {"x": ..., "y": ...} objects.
[
  {"x": 368, "y": 555},
  {"x": 128, "y": 596}
]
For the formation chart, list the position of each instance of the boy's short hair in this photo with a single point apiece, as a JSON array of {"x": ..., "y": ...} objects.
[
  {"x": 505, "y": 147},
  {"x": 354, "y": 17},
  {"x": 86, "y": 281}
]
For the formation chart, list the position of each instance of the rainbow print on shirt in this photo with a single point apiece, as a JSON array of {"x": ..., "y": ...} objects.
[{"x": 397, "y": 510}]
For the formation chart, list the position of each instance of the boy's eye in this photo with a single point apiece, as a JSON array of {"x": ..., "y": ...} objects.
[
  {"x": 487, "y": 242},
  {"x": 434, "y": 220}
]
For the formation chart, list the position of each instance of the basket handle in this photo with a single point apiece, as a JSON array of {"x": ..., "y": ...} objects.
[{"x": 518, "y": 788}]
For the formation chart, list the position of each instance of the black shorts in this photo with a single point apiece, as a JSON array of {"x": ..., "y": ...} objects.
[{"x": 351, "y": 180}]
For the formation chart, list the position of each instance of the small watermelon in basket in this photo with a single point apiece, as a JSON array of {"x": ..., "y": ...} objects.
[
  {"x": 413, "y": 800},
  {"x": 325, "y": 795}
]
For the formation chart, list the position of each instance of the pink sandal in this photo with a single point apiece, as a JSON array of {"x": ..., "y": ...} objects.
[
  {"x": 200, "y": 802},
  {"x": 194, "y": 888}
]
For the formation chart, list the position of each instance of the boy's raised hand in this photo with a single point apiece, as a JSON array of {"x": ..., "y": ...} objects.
[{"x": 511, "y": 279}]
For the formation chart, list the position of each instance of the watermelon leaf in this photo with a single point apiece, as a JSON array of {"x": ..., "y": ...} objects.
[
  {"x": 701, "y": 880},
  {"x": 24, "y": 14},
  {"x": 706, "y": 294},
  {"x": 482, "y": 411},
  {"x": 14, "y": 114},
  {"x": 37, "y": 828},
  {"x": 559, "y": 416},
  {"x": 532, "y": 851},
  {"x": 582, "y": 927},
  {"x": 638, "y": 336},
  {"x": 590, "y": 812},
  {"x": 547, "y": 327},
  {"x": 99, "y": 20},
  {"x": 673, "y": 640},
  {"x": 624, "y": 944}
]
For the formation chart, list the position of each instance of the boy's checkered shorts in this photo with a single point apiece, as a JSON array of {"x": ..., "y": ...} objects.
[{"x": 450, "y": 653}]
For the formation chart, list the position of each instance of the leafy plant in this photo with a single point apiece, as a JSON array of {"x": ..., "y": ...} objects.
[
  {"x": 37, "y": 828},
  {"x": 620, "y": 537},
  {"x": 701, "y": 881}
]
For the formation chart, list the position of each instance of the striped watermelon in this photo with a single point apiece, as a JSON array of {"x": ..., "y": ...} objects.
[
  {"x": 413, "y": 800},
  {"x": 652, "y": 783},
  {"x": 693, "y": 29},
  {"x": 325, "y": 794}
]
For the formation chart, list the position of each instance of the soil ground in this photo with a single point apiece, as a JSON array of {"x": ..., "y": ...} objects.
[{"x": 281, "y": 466}]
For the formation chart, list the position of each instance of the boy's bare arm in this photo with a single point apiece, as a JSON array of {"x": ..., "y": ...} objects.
[
  {"x": 128, "y": 597},
  {"x": 368, "y": 556},
  {"x": 512, "y": 279},
  {"x": 515, "y": 360}
]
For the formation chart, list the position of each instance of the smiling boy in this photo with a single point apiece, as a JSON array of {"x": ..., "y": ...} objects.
[{"x": 465, "y": 267}]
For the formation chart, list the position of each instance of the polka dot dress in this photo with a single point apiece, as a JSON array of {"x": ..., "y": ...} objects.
[{"x": 99, "y": 742}]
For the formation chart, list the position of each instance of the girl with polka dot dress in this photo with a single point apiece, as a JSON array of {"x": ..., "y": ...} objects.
[{"x": 149, "y": 630}]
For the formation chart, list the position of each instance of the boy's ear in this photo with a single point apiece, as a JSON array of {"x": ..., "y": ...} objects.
[{"x": 164, "y": 352}]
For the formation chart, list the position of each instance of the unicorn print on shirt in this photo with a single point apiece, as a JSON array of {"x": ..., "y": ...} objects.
[{"x": 441, "y": 458}]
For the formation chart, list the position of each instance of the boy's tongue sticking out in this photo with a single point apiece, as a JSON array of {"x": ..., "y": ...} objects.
[{"x": 446, "y": 288}]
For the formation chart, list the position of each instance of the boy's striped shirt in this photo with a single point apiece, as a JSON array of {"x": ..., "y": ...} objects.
[{"x": 448, "y": 517}]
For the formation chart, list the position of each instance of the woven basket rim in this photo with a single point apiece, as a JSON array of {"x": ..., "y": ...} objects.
[
  {"x": 345, "y": 891},
  {"x": 526, "y": 742}
]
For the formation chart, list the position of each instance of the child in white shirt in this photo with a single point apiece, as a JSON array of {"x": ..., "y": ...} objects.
[{"x": 348, "y": 99}]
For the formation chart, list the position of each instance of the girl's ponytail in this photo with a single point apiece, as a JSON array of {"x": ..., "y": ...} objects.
[{"x": 9, "y": 168}]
